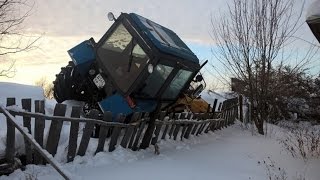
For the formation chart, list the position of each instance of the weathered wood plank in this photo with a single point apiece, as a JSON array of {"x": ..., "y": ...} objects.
[
  {"x": 137, "y": 139},
  {"x": 135, "y": 129},
  {"x": 183, "y": 126},
  {"x": 214, "y": 105},
  {"x": 173, "y": 126},
  {"x": 199, "y": 129},
  {"x": 148, "y": 133},
  {"x": 26, "y": 105},
  {"x": 220, "y": 106},
  {"x": 200, "y": 118},
  {"x": 176, "y": 131},
  {"x": 73, "y": 137},
  {"x": 128, "y": 133},
  {"x": 183, "y": 131},
  {"x": 167, "y": 127},
  {"x": 129, "y": 130},
  {"x": 208, "y": 128},
  {"x": 107, "y": 116},
  {"x": 158, "y": 128},
  {"x": 10, "y": 142},
  {"x": 195, "y": 127},
  {"x": 55, "y": 129},
  {"x": 240, "y": 108},
  {"x": 39, "y": 125},
  {"x": 87, "y": 133},
  {"x": 189, "y": 126},
  {"x": 115, "y": 134},
  {"x": 188, "y": 131}
]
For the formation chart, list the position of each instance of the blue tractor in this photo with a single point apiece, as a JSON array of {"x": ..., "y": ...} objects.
[{"x": 137, "y": 66}]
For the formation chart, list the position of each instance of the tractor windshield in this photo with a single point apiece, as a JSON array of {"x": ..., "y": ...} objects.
[
  {"x": 177, "y": 84},
  {"x": 122, "y": 57},
  {"x": 157, "y": 79}
]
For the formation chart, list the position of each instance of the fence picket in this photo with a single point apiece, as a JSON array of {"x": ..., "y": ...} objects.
[
  {"x": 107, "y": 116},
  {"x": 115, "y": 134},
  {"x": 39, "y": 125},
  {"x": 166, "y": 129},
  {"x": 176, "y": 131},
  {"x": 26, "y": 105},
  {"x": 73, "y": 137},
  {"x": 87, "y": 132},
  {"x": 158, "y": 128},
  {"x": 129, "y": 131},
  {"x": 55, "y": 129},
  {"x": 10, "y": 142},
  {"x": 195, "y": 127},
  {"x": 136, "y": 141},
  {"x": 200, "y": 125}
]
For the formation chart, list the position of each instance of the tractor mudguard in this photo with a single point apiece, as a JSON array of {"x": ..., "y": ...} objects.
[
  {"x": 118, "y": 104},
  {"x": 83, "y": 56}
]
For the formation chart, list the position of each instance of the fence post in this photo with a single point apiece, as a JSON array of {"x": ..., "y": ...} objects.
[
  {"x": 26, "y": 105},
  {"x": 107, "y": 116},
  {"x": 154, "y": 140},
  {"x": 11, "y": 136},
  {"x": 240, "y": 108},
  {"x": 73, "y": 135},
  {"x": 135, "y": 145},
  {"x": 88, "y": 129},
  {"x": 38, "y": 130},
  {"x": 115, "y": 134},
  {"x": 220, "y": 106},
  {"x": 149, "y": 132},
  {"x": 55, "y": 129},
  {"x": 129, "y": 130},
  {"x": 166, "y": 129}
]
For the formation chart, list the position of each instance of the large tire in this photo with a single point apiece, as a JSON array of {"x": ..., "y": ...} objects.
[{"x": 63, "y": 85}]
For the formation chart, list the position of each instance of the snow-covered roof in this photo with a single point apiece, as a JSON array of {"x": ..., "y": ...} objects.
[{"x": 314, "y": 11}]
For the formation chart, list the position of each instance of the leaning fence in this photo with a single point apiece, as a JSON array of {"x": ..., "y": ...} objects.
[{"x": 142, "y": 130}]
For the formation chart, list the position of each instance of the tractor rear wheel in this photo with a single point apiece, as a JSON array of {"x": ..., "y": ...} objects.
[{"x": 64, "y": 84}]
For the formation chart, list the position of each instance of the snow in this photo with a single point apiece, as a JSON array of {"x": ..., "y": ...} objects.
[
  {"x": 210, "y": 96},
  {"x": 231, "y": 153},
  {"x": 18, "y": 91},
  {"x": 314, "y": 10}
]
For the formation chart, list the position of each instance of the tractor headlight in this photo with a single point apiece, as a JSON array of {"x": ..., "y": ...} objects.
[{"x": 99, "y": 81}]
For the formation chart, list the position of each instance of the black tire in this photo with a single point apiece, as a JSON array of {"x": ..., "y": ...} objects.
[{"x": 63, "y": 85}]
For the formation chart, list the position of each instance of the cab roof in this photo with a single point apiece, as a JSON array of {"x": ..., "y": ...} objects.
[{"x": 164, "y": 39}]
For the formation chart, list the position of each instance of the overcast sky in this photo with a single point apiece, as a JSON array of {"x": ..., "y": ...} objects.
[{"x": 65, "y": 23}]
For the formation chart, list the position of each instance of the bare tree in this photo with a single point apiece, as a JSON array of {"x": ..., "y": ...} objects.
[
  {"x": 12, "y": 39},
  {"x": 250, "y": 40}
]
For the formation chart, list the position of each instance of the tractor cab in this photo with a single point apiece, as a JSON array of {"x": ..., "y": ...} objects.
[{"x": 145, "y": 63}]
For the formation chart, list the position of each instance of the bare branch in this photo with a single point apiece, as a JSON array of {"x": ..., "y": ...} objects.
[{"x": 12, "y": 39}]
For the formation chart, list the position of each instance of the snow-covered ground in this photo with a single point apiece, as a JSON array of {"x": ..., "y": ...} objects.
[{"x": 231, "y": 153}]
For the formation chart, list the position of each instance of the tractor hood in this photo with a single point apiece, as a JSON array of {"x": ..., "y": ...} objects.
[{"x": 164, "y": 39}]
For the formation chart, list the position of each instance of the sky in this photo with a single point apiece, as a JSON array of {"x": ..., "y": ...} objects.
[{"x": 64, "y": 24}]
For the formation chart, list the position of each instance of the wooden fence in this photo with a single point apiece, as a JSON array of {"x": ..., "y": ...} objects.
[{"x": 139, "y": 133}]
